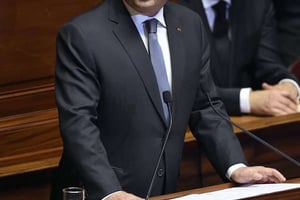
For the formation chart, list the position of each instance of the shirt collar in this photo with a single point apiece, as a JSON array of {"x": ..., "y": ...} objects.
[
  {"x": 140, "y": 18},
  {"x": 210, "y": 3}
]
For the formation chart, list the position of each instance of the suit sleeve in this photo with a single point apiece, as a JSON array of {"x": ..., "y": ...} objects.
[
  {"x": 78, "y": 92},
  {"x": 231, "y": 99},
  {"x": 268, "y": 64},
  {"x": 214, "y": 134}
]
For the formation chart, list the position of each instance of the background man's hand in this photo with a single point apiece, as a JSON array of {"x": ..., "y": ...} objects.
[
  {"x": 280, "y": 99},
  {"x": 286, "y": 86},
  {"x": 257, "y": 174}
]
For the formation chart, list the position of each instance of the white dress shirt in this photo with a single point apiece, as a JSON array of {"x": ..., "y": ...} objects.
[
  {"x": 138, "y": 20},
  {"x": 162, "y": 37}
]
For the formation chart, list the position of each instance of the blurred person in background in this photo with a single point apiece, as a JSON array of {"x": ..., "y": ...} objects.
[{"x": 245, "y": 61}]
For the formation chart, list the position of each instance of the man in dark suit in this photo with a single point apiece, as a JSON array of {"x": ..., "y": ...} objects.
[
  {"x": 110, "y": 110},
  {"x": 288, "y": 22},
  {"x": 246, "y": 65}
]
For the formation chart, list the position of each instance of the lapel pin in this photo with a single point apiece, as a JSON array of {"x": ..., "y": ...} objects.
[{"x": 178, "y": 29}]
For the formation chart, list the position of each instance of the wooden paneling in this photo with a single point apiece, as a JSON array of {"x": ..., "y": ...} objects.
[
  {"x": 29, "y": 142},
  {"x": 27, "y": 36},
  {"x": 27, "y": 51},
  {"x": 28, "y": 97},
  {"x": 282, "y": 132}
]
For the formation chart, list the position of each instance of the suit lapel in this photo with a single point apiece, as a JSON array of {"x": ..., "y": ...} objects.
[
  {"x": 176, "y": 46},
  {"x": 129, "y": 37}
]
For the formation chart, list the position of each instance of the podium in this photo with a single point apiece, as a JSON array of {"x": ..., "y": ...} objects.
[
  {"x": 280, "y": 131},
  {"x": 293, "y": 194}
]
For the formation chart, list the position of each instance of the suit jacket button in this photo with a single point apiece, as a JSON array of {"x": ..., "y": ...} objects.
[{"x": 160, "y": 172}]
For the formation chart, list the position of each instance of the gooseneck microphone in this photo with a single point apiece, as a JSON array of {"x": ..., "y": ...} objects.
[
  {"x": 252, "y": 135},
  {"x": 168, "y": 100}
]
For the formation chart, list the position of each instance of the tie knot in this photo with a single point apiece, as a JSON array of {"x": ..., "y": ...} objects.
[
  {"x": 220, "y": 8},
  {"x": 151, "y": 25}
]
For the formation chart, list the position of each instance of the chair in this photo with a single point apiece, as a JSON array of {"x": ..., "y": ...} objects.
[{"x": 295, "y": 69}]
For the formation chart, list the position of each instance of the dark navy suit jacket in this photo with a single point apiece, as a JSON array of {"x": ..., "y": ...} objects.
[{"x": 111, "y": 118}]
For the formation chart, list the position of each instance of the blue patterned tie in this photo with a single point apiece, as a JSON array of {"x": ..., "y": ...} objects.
[{"x": 157, "y": 61}]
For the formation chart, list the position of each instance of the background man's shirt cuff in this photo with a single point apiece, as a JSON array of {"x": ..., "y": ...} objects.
[
  {"x": 245, "y": 100},
  {"x": 294, "y": 83}
]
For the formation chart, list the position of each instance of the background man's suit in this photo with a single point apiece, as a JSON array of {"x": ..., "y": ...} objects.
[
  {"x": 111, "y": 119},
  {"x": 288, "y": 23},
  {"x": 253, "y": 52}
]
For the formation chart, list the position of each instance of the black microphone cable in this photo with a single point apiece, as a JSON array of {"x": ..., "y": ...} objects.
[
  {"x": 252, "y": 135},
  {"x": 168, "y": 100}
]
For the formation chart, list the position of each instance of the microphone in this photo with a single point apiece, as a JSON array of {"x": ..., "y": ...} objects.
[
  {"x": 168, "y": 100},
  {"x": 253, "y": 136}
]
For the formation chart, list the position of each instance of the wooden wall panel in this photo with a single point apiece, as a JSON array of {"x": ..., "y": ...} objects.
[
  {"x": 285, "y": 138},
  {"x": 26, "y": 98},
  {"x": 27, "y": 50},
  {"x": 29, "y": 142}
]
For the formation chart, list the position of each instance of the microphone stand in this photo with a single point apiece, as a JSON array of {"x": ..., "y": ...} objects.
[{"x": 168, "y": 100}]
